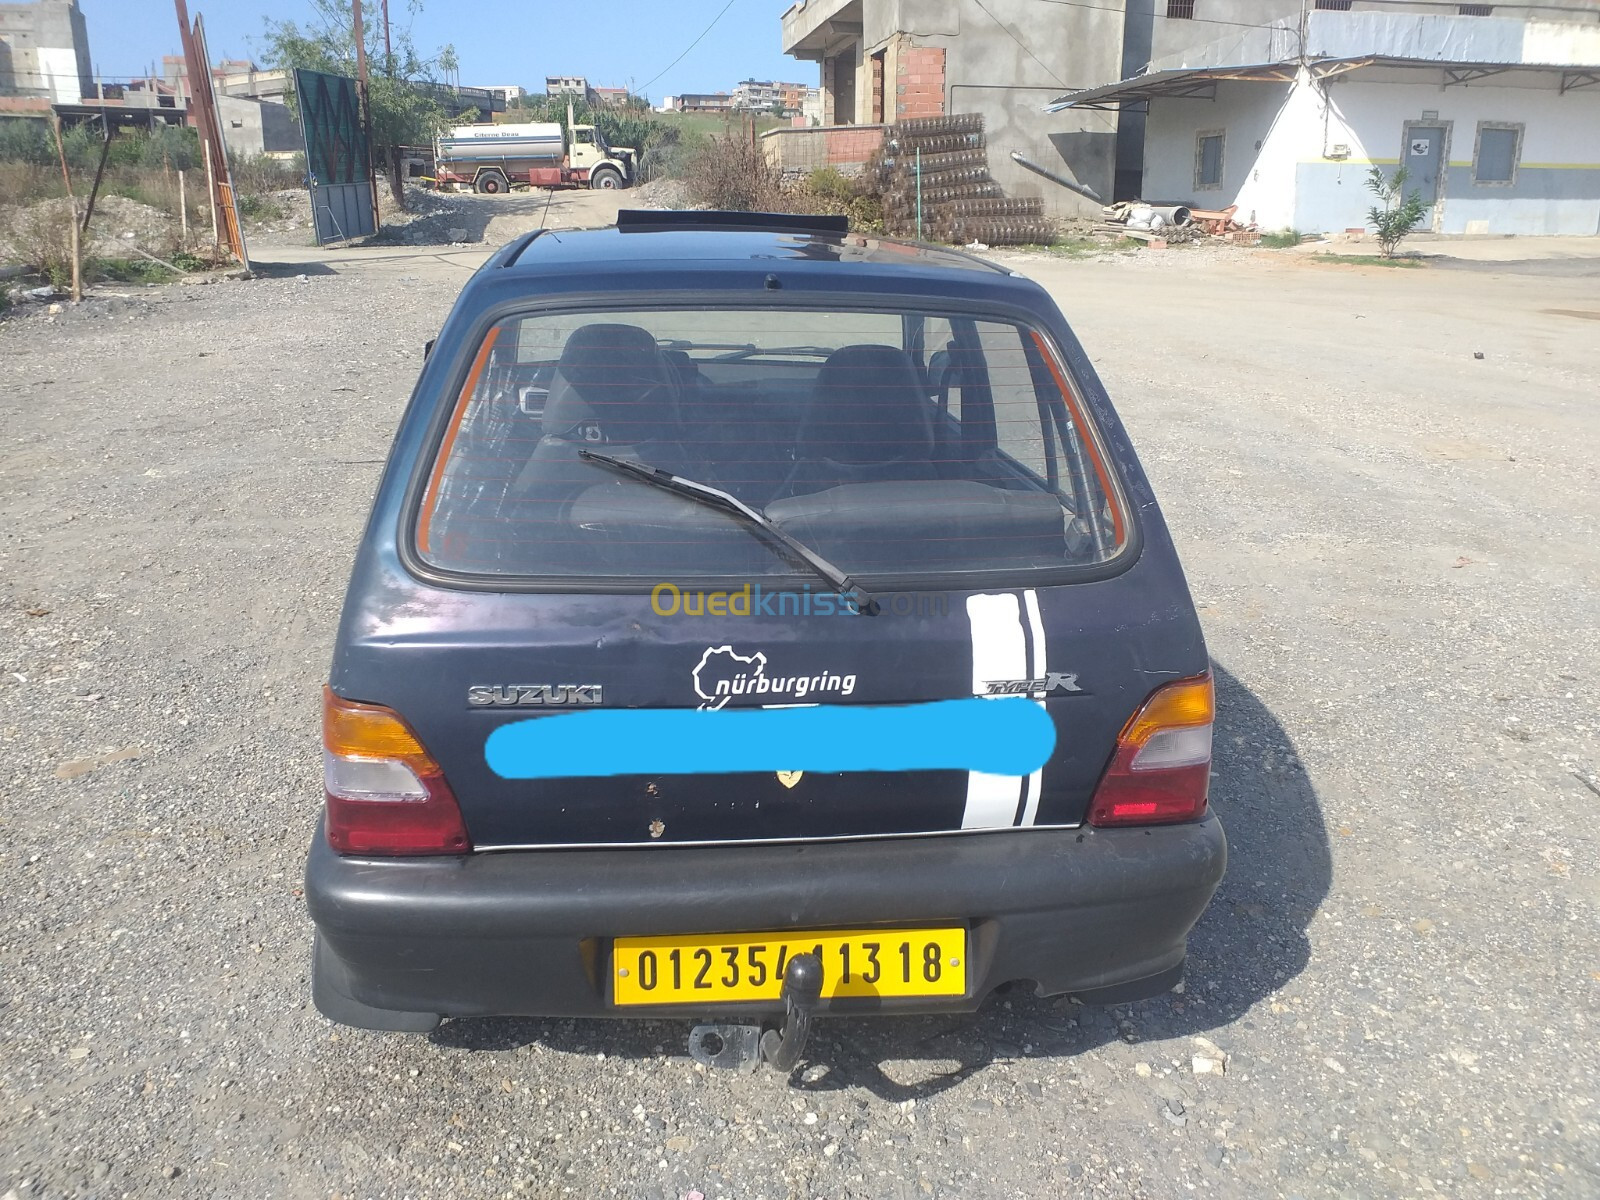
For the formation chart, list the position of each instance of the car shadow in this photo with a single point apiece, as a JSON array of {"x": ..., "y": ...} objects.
[{"x": 1247, "y": 945}]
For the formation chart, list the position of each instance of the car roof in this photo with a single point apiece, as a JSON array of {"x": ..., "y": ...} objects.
[
  {"x": 739, "y": 251},
  {"x": 758, "y": 249}
]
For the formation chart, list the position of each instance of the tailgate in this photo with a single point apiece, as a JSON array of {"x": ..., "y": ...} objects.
[{"x": 1083, "y": 653}]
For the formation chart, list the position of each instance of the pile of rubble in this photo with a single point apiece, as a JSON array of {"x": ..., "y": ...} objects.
[
  {"x": 1162, "y": 225},
  {"x": 961, "y": 202}
]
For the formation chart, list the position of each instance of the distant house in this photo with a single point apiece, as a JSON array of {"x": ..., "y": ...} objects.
[
  {"x": 576, "y": 86},
  {"x": 507, "y": 92},
  {"x": 754, "y": 95},
  {"x": 705, "y": 102},
  {"x": 1496, "y": 120}
]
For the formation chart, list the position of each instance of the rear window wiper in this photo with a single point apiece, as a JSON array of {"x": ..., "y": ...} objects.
[
  {"x": 716, "y": 498},
  {"x": 750, "y": 350}
]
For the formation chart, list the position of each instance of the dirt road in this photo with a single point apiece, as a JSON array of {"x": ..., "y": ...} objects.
[{"x": 1393, "y": 544}]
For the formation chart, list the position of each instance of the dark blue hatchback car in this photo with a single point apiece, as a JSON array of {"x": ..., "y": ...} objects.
[{"x": 756, "y": 621}]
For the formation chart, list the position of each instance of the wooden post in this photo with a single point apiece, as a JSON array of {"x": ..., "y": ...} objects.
[
  {"x": 211, "y": 205},
  {"x": 99, "y": 172},
  {"x": 183, "y": 211},
  {"x": 76, "y": 247}
]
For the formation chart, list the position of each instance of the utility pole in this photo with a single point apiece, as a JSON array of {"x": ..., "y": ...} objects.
[
  {"x": 388, "y": 46},
  {"x": 361, "y": 45}
]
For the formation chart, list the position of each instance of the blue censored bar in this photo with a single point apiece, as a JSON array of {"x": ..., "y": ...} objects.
[{"x": 1012, "y": 736}]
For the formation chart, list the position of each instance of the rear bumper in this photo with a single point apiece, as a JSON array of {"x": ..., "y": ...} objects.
[{"x": 1103, "y": 914}]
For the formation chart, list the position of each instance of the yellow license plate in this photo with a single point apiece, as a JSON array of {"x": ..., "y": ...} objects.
[{"x": 724, "y": 967}]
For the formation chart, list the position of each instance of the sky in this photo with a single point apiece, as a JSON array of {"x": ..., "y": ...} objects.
[{"x": 616, "y": 43}]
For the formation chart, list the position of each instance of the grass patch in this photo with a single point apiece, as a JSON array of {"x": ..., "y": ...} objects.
[
  {"x": 1068, "y": 247},
  {"x": 259, "y": 207},
  {"x": 125, "y": 270},
  {"x": 1368, "y": 260},
  {"x": 140, "y": 270},
  {"x": 1281, "y": 240}
]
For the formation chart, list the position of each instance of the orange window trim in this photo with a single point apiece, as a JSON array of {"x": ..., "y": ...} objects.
[
  {"x": 431, "y": 496},
  {"x": 1088, "y": 438}
]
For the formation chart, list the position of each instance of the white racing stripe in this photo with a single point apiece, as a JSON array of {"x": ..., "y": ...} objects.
[
  {"x": 1036, "y": 670},
  {"x": 999, "y": 651}
]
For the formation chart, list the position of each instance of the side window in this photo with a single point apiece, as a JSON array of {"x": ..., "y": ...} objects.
[
  {"x": 1208, "y": 159},
  {"x": 943, "y": 366},
  {"x": 1499, "y": 149},
  {"x": 1018, "y": 430}
]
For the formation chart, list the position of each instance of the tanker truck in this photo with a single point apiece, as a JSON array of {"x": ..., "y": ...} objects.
[{"x": 495, "y": 158}]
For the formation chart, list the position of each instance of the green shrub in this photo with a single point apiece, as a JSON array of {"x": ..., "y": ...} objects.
[
  {"x": 1281, "y": 240},
  {"x": 828, "y": 190},
  {"x": 26, "y": 140},
  {"x": 1396, "y": 214},
  {"x": 256, "y": 206},
  {"x": 732, "y": 173},
  {"x": 41, "y": 237}
]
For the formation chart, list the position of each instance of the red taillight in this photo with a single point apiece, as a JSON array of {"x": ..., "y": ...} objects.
[
  {"x": 1161, "y": 769},
  {"x": 385, "y": 794}
]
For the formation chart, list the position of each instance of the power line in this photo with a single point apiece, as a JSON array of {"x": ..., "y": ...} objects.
[{"x": 685, "y": 53}]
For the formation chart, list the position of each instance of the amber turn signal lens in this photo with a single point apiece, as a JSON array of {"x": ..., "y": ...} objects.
[
  {"x": 351, "y": 730},
  {"x": 1187, "y": 702}
]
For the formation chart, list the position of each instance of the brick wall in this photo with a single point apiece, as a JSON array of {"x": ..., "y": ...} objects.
[
  {"x": 852, "y": 147},
  {"x": 846, "y": 148},
  {"x": 919, "y": 82}
]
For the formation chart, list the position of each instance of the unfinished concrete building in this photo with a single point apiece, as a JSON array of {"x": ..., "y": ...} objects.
[{"x": 44, "y": 52}]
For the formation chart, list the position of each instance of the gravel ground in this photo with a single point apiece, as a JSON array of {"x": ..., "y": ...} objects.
[{"x": 1393, "y": 544}]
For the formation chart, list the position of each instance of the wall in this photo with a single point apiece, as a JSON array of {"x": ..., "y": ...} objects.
[
  {"x": 1289, "y": 183},
  {"x": 1005, "y": 64},
  {"x": 1222, "y": 20},
  {"x": 1557, "y": 188},
  {"x": 846, "y": 148},
  {"x": 252, "y": 127},
  {"x": 46, "y": 51},
  {"x": 1260, "y": 134}
]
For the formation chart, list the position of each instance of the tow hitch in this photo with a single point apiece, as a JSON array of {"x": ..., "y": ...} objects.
[{"x": 744, "y": 1047}]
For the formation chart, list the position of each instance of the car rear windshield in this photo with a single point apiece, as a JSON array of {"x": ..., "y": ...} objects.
[{"x": 894, "y": 444}]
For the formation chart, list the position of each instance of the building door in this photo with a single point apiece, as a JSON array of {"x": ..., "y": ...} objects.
[
  {"x": 844, "y": 88},
  {"x": 1423, "y": 160},
  {"x": 878, "y": 107}
]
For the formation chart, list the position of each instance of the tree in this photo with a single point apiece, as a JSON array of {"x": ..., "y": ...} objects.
[
  {"x": 1396, "y": 214},
  {"x": 400, "y": 113},
  {"x": 450, "y": 65}
]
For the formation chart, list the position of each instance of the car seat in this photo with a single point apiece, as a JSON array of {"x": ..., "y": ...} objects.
[{"x": 869, "y": 421}]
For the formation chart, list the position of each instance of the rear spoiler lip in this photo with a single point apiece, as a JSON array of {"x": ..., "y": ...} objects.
[{"x": 641, "y": 220}]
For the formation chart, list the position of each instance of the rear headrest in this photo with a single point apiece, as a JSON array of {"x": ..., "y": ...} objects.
[
  {"x": 869, "y": 408},
  {"x": 612, "y": 378}
]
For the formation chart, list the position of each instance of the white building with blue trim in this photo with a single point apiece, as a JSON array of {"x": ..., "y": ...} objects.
[{"x": 1496, "y": 120}]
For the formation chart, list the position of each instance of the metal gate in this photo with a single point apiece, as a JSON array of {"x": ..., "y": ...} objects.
[{"x": 338, "y": 156}]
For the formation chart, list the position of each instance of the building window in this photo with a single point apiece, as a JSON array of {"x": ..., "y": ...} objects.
[
  {"x": 1334, "y": 5},
  {"x": 1475, "y": 10},
  {"x": 1208, "y": 159},
  {"x": 1180, "y": 10},
  {"x": 1499, "y": 149}
]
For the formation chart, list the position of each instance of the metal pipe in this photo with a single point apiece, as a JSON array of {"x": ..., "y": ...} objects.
[{"x": 1070, "y": 184}]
